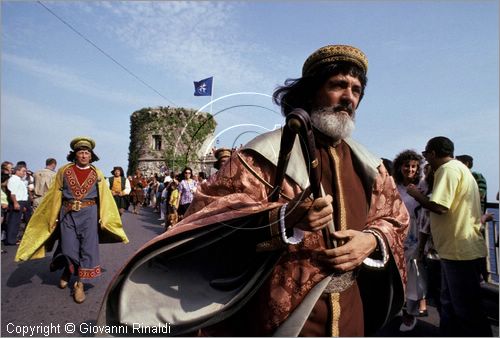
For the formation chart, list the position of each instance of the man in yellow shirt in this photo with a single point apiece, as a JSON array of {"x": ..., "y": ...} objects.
[
  {"x": 455, "y": 227},
  {"x": 120, "y": 189},
  {"x": 173, "y": 204}
]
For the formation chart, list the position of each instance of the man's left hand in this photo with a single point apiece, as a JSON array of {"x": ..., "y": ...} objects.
[
  {"x": 486, "y": 218},
  {"x": 358, "y": 246}
]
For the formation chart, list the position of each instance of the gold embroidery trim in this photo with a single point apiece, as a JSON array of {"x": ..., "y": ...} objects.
[
  {"x": 274, "y": 222},
  {"x": 89, "y": 273},
  {"x": 267, "y": 184},
  {"x": 270, "y": 245},
  {"x": 79, "y": 191},
  {"x": 340, "y": 192},
  {"x": 335, "y": 307}
]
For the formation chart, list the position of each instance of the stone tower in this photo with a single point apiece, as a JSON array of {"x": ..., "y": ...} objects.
[{"x": 168, "y": 138}]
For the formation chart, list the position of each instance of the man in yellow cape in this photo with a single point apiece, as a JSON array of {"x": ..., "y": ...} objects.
[{"x": 78, "y": 198}]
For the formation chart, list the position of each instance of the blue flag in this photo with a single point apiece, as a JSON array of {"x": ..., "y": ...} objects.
[{"x": 203, "y": 87}]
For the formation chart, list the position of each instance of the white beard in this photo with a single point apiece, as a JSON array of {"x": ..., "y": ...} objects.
[{"x": 337, "y": 125}]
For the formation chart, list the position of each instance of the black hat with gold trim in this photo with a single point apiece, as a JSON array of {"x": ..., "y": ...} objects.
[{"x": 334, "y": 53}]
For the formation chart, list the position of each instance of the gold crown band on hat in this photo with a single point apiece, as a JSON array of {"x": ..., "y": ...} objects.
[
  {"x": 333, "y": 53},
  {"x": 82, "y": 142},
  {"x": 222, "y": 152}
]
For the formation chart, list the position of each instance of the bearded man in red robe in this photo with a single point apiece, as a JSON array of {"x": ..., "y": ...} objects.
[{"x": 239, "y": 264}]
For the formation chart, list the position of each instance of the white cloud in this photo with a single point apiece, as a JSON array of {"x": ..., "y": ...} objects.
[
  {"x": 34, "y": 132},
  {"x": 191, "y": 39},
  {"x": 68, "y": 79}
]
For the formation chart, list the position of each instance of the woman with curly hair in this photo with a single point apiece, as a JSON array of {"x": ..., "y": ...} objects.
[
  {"x": 408, "y": 170},
  {"x": 186, "y": 188}
]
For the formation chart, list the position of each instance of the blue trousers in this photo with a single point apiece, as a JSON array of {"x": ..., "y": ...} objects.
[
  {"x": 13, "y": 222},
  {"x": 461, "y": 310}
]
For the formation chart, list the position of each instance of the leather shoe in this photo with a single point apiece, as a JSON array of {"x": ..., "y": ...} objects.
[
  {"x": 423, "y": 313},
  {"x": 63, "y": 282},
  {"x": 408, "y": 327},
  {"x": 79, "y": 293}
]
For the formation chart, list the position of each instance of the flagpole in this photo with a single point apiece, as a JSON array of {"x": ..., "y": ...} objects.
[{"x": 212, "y": 94}]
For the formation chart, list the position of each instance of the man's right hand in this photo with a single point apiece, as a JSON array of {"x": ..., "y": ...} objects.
[{"x": 309, "y": 215}]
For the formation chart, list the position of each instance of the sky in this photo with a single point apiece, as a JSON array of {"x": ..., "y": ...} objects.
[{"x": 72, "y": 68}]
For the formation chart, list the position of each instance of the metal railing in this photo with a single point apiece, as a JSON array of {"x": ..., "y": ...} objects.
[{"x": 491, "y": 236}]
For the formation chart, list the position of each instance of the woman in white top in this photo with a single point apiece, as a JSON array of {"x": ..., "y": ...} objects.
[
  {"x": 186, "y": 188},
  {"x": 408, "y": 171}
]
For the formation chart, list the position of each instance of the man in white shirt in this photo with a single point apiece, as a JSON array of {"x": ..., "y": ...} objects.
[{"x": 18, "y": 205}]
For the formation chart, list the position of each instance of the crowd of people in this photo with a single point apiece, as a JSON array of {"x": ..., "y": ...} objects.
[
  {"x": 168, "y": 195},
  {"x": 414, "y": 222},
  {"x": 165, "y": 195},
  {"x": 457, "y": 213},
  {"x": 20, "y": 196}
]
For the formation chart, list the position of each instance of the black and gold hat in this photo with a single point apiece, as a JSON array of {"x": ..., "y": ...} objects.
[
  {"x": 82, "y": 142},
  {"x": 333, "y": 53},
  {"x": 222, "y": 152}
]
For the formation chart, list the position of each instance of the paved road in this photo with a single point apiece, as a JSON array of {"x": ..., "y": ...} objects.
[
  {"x": 31, "y": 298},
  {"x": 429, "y": 326}
]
